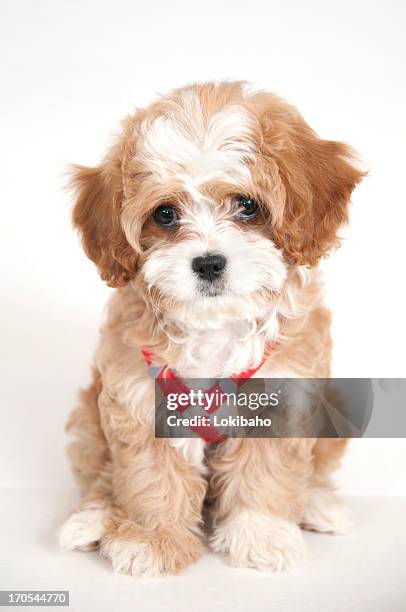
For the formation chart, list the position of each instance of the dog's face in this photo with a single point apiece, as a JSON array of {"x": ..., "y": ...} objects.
[{"x": 212, "y": 194}]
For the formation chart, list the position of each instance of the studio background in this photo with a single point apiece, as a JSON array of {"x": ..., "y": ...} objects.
[{"x": 71, "y": 70}]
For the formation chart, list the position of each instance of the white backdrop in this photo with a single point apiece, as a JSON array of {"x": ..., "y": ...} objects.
[{"x": 71, "y": 70}]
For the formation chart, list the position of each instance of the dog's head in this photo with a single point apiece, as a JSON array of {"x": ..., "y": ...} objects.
[{"x": 213, "y": 193}]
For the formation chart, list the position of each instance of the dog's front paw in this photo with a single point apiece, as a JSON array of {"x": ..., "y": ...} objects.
[
  {"x": 262, "y": 541},
  {"x": 141, "y": 552},
  {"x": 326, "y": 513}
]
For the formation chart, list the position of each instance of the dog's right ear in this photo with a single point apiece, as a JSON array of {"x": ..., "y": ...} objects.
[{"x": 97, "y": 216}]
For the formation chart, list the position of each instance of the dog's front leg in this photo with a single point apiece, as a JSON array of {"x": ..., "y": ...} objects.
[
  {"x": 155, "y": 525},
  {"x": 258, "y": 489}
]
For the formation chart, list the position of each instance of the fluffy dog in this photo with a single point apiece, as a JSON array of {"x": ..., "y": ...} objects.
[{"x": 209, "y": 215}]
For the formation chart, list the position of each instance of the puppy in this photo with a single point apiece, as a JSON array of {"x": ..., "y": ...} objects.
[{"x": 209, "y": 215}]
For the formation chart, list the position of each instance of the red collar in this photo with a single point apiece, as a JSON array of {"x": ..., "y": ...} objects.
[
  {"x": 169, "y": 382},
  {"x": 165, "y": 372}
]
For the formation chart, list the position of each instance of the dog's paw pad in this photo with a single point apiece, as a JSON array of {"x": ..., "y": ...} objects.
[{"x": 89, "y": 547}]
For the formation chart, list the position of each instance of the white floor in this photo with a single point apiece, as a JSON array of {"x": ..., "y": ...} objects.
[{"x": 365, "y": 571}]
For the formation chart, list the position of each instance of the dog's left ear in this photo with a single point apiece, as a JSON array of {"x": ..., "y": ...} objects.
[{"x": 317, "y": 178}]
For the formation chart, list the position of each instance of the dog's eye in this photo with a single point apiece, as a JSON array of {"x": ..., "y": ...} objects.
[
  {"x": 166, "y": 215},
  {"x": 248, "y": 207}
]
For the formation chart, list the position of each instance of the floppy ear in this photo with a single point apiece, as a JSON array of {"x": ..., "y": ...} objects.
[
  {"x": 318, "y": 177},
  {"x": 97, "y": 216}
]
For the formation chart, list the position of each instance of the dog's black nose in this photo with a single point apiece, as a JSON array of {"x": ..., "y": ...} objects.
[{"x": 209, "y": 267}]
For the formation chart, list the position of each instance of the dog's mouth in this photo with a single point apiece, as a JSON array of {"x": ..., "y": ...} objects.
[{"x": 211, "y": 288}]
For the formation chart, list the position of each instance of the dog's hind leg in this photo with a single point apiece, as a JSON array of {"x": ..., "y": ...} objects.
[
  {"x": 324, "y": 511},
  {"x": 85, "y": 527},
  {"x": 89, "y": 457},
  {"x": 88, "y": 452}
]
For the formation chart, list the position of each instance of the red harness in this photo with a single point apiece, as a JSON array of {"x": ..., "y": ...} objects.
[{"x": 169, "y": 382}]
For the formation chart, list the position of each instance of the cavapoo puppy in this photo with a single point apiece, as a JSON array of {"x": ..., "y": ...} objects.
[{"x": 209, "y": 215}]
